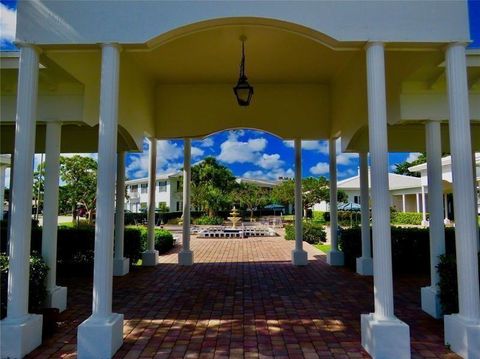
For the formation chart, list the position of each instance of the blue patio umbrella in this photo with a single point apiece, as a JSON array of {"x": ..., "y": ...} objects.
[{"x": 275, "y": 207}]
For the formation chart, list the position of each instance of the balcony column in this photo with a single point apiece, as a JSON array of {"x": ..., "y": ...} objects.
[
  {"x": 404, "y": 205},
  {"x": 462, "y": 330},
  {"x": 185, "y": 257},
  {"x": 56, "y": 296},
  {"x": 383, "y": 335},
  {"x": 103, "y": 326},
  {"x": 299, "y": 256},
  {"x": 417, "y": 200},
  {"x": 424, "y": 208},
  {"x": 430, "y": 295},
  {"x": 150, "y": 256},
  {"x": 21, "y": 331},
  {"x": 2, "y": 189},
  {"x": 121, "y": 265},
  {"x": 365, "y": 262},
  {"x": 446, "y": 220},
  {"x": 334, "y": 257}
]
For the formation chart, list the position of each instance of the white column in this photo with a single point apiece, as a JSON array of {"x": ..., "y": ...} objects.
[
  {"x": 365, "y": 262},
  {"x": 446, "y": 220},
  {"x": 56, "y": 296},
  {"x": 462, "y": 330},
  {"x": 404, "y": 206},
  {"x": 185, "y": 257},
  {"x": 121, "y": 265},
  {"x": 103, "y": 326},
  {"x": 417, "y": 200},
  {"x": 383, "y": 335},
  {"x": 334, "y": 257},
  {"x": 21, "y": 331},
  {"x": 299, "y": 256},
  {"x": 430, "y": 295},
  {"x": 150, "y": 256},
  {"x": 2, "y": 189},
  {"x": 424, "y": 208}
]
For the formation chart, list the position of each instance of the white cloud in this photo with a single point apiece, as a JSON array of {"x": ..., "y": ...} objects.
[
  {"x": 197, "y": 152},
  {"x": 270, "y": 161},
  {"x": 8, "y": 23},
  {"x": 274, "y": 174},
  {"x": 321, "y": 168},
  {"x": 319, "y": 146},
  {"x": 168, "y": 155},
  {"x": 206, "y": 142},
  {"x": 233, "y": 150},
  {"x": 347, "y": 173},
  {"x": 413, "y": 156},
  {"x": 346, "y": 159}
]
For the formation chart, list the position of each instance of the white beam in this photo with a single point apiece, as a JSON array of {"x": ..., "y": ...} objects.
[
  {"x": 21, "y": 331},
  {"x": 101, "y": 334},
  {"x": 299, "y": 256},
  {"x": 185, "y": 257},
  {"x": 365, "y": 262},
  {"x": 462, "y": 330},
  {"x": 56, "y": 296},
  {"x": 383, "y": 335},
  {"x": 121, "y": 265}
]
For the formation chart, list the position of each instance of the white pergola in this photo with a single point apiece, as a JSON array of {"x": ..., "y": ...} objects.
[{"x": 380, "y": 75}]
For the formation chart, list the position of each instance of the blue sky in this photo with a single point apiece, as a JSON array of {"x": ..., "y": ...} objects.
[{"x": 247, "y": 153}]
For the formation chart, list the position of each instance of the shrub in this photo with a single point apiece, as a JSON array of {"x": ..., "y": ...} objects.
[
  {"x": 313, "y": 233},
  {"x": 412, "y": 218},
  {"x": 163, "y": 239},
  {"x": 448, "y": 284},
  {"x": 319, "y": 217},
  {"x": 345, "y": 218},
  {"x": 206, "y": 220},
  {"x": 37, "y": 288},
  {"x": 410, "y": 248}
]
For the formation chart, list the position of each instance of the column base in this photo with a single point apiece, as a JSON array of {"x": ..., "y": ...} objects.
[
  {"x": 100, "y": 337},
  {"x": 365, "y": 265},
  {"x": 121, "y": 266},
  {"x": 385, "y": 338},
  {"x": 20, "y": 336},
  {"x": 462, "y": 335},
  {"x": 299, "y": 257},
  {"x": 431, "y": 302},
  {"x": 335, "y": 258},
  {"x": 185, "y": 258},
  {"x": 149, "y": 258},
  {"x": 425, "y": 223},
  {"x": 57, "y": 298}
]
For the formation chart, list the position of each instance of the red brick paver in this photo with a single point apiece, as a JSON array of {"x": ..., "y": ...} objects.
[{"x": 244, "y": 299}]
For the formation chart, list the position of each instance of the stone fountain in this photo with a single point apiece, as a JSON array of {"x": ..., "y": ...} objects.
[{"x": 234, "y": 217}]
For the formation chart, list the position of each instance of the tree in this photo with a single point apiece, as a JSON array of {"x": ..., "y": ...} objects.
[
  {"x": 402, "y": 167},
  {"x": 251, "y": 196},
  {"x": 212, "y": 184},
  {"x": 80, "y": 177},
  {"x": 284, "y": 192}
]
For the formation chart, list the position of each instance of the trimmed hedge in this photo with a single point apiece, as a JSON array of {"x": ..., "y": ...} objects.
[
  {"x": 412, "y": 218},
  {"x": 345, "y": 218},
  {"x": 313, "y": 233},
  {"x": 75, "y": 246},
  {"x": 319, "y": 217},
  {"x": 410, "y": 248},
  {"x": 206, "y": 220},
  {"x": 37, "y": 290},
  {"x": 448, "y": 285},
  {"x": 163, "y": 217}
]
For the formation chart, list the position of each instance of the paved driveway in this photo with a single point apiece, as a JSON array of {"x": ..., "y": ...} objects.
[{"x": 243, "y": 298}]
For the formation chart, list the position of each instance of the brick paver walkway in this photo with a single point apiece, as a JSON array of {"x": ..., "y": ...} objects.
[{"x": 243, "y": 298}]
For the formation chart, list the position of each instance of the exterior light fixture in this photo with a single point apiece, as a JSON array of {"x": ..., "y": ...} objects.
[{"x": 243, "y": 91}]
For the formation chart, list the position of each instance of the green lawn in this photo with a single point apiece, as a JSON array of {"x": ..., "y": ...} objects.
[{"x": 324, "y": 247}]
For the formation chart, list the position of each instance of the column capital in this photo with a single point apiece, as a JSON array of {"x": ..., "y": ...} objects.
[
  {"x": 25, "y": 45},
  {"x": 111, "y": 44},
  {"x": 463, "y": 44},
  {"x": 372, "y": 43}
]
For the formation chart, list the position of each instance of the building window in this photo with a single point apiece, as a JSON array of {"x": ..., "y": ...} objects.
[
  {"x": 134, "y": 188},
  {"x": 179, "y": 186},
  {"x": 162, "y": 186},
  {"x": 179, "y": 206},
  {"x": 144, "y": 188},
  {"x": 356, "y": 199}
]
